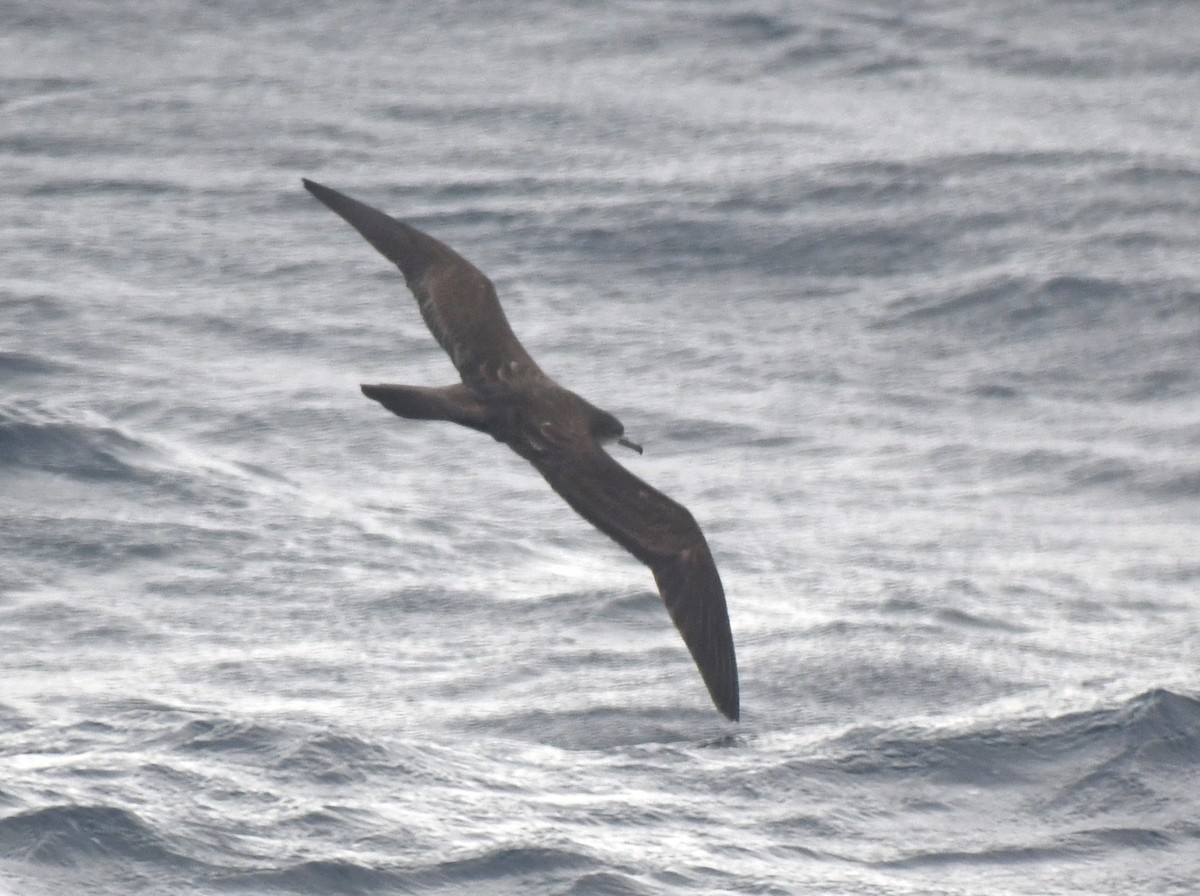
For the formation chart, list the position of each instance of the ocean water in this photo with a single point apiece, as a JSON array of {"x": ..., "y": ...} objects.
[{"x": 903, "y": 300}]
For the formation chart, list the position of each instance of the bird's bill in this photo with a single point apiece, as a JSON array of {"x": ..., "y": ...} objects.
[{"x": 628, "y": 444}]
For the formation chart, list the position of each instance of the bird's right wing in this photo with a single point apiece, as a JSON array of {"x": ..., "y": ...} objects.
[
  {"x": 457, "y": 300},
  {"x": 664, "y": 535}
]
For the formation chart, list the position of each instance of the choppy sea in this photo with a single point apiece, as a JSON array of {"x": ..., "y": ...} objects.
[{"x": 902, "y": 298}]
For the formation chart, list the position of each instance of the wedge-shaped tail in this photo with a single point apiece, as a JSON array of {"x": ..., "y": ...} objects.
[{"x": 455, "y": 403}]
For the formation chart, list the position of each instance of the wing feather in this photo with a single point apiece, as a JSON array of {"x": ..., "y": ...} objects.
[
  {"x": 457, "y": 301},
  {"x": 665, "y": 536}
]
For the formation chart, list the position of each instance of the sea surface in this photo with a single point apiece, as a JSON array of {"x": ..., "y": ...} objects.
[{"x": 902, "y": 298}]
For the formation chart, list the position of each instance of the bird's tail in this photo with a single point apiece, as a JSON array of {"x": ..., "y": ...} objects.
[{"x": 454, "y": 403}]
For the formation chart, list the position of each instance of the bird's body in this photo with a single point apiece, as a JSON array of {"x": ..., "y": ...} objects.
[{"x": 504, "y": 393}]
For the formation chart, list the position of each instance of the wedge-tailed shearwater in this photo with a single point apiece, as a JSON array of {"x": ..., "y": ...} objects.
[{"x": 505, "y": 394}]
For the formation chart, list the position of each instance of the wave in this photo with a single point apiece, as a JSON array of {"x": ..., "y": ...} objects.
[
  {"x": 1081, "y": 843},
  {"x": 1097, "y": 469},
  {"x": 498, "y": 869},
  {"x": 161, "y": 497},
  {"x": 1156, "y": 733},
  {"x": 113, "y": 185},
  {"x": 69, "y": 835},
  {"x": 883, "y": 218},
  {"x": 1002, "y": 794},
  {"x": 34, "y": 438},
  {"x": 86, "y": 447},
  {"x": 538, "y": 863},
  {"x": 291, "y": 751},
  {"x": 1089, "y": 338},
  {"x": 322, "y": 876},
  {"x": 1007, "y": 306},
  {"x": 14, "y": 364}
]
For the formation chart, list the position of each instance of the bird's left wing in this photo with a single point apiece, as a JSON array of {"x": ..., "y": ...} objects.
[{"x": 662, "y": 534}]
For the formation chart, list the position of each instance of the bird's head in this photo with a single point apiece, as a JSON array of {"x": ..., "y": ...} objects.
[{"x": 607, "y": 428}]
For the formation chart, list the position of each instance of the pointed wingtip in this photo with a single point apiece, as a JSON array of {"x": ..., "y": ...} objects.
[
  {"x": 327, "y": 195},
  {"x": 726, "y": 697},
  {"x": 717, "y": 663},
  {"x": 318, "y": 190},
  {"x": 732, "y": 712},
  {"x": 405, "y": 246}
]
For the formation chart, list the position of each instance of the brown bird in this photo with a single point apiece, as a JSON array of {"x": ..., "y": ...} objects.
[{"x": 505, "y": 394}]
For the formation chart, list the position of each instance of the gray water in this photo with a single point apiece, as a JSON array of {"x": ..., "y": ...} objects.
[{"x": 903, "y": 300}]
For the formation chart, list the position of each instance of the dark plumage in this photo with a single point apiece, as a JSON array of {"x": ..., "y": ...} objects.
[{"x": 505, "y": 394}]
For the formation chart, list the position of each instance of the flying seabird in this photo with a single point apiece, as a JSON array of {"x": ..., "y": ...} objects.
[{"x": 506, "y": 395}]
